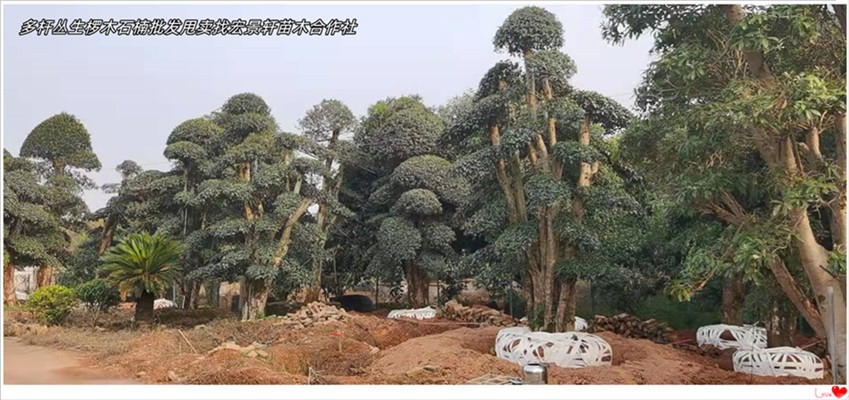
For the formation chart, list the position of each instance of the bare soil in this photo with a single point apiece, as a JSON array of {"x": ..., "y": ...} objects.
[
  {"x": 368, "y": 349},
  {"x": 36, "y": 365}
]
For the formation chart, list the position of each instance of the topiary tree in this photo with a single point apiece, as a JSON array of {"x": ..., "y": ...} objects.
[
  {"x": 324, "y": 124},
  {"x": 32, "y": 235},
  {"x": 412, "y": 200},
  {"x": 63, "y": 142},
  {"x": 189, "y": 146},
  {"x": 144, "y": 266},
  {"x": 52, "y": 304},
  {"x": 253, "y": 199},
  {"x": 527, "y": 29},
  {"x": 533, "y": 148}
]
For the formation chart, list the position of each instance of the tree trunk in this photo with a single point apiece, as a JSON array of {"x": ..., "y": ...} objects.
[
  {"x": 106, "y": 235},
  {"x": 193, "y": 304},
  {"x": 417, "y": 285},
  {"x": 212, "y": 293},
  {"x": 314, "y": 290},
  {"x": 9, "y": 284},
  {"x": 814, "y": 261},
  {"x": 733, "y": 295},
  {"x": 256, "y": 296},
  {"x": 567, "y": 305},
  {"x": 840, "y": 13},
  {"x": 796, "y": 294},
  {"x": 186, "y": 292},
  {"x": 780, "y": 326},
  {"x": 781, "y": 158},
  {"x": 44, "y": 276},
  {"x": 144, "y": 307}
]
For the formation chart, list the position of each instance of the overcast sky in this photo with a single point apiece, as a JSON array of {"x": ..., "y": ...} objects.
[{"x": 130, "y": 92}]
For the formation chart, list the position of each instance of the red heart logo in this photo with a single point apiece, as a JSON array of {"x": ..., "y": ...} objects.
[{"x": 838, "y": 391}]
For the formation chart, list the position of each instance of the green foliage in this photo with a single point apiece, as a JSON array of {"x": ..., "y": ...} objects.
[
  {"x": 327, "y": 118},
  {"x": 98, "y": 294},
  {"x": 397, "y": 129},
  {"x": 62, "y": 139},
  {"x": 418, "y": 202},
  {"x": 551, "y": 65},
  {"x": 83, "y": 263},
  {"x": 52, "y": 304},
  {"x": 32, "y": 233},
  {"x": 398, "y": 241},
  {"x": 142, "y": 263},
  {"x": 603, "y": 110},
  {"x": 708, "y": 131},
  {"x": 246, "y": 103},
  {"x": 527, "y": 29}
]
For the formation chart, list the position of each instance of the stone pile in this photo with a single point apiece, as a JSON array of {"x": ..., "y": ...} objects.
[
  {"x": 479, "y": 314},
  {"x": 313, "y": 314},
  {"x": 255, "y": 350},
  {"x": 632, "y": 327}
]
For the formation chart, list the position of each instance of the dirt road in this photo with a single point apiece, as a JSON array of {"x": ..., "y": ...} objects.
[{"x": 24, "y": 364}]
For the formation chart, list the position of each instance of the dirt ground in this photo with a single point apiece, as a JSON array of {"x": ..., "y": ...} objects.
[
  {"x": 367, "y": 349},
  {"x": 36, "y": 365}
]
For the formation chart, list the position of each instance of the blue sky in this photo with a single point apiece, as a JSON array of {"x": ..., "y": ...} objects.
[{"x": 130, "y": 92}]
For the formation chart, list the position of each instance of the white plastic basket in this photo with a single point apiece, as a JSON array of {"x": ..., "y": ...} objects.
[
  {"x": 778, "y": 361},
  {"x": 567, "y": 349},
  {"x": 745, "y": 337},
  {"x": 580, "y": 324},
  {"x": 418, "y": 313},
  {"x": 163, "y": 303}
]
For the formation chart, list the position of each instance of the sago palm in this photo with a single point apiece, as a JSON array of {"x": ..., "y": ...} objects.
[{"x": 143, "y": 265}]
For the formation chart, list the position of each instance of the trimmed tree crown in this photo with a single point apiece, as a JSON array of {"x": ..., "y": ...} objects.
[
  {"x": 64, "y": 139},
  {"x": 528, "y": 29}
]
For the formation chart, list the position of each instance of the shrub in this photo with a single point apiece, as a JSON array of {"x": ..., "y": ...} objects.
[
  {"x": 52, "y": 304},
  {"x": 98, "y": 294}
]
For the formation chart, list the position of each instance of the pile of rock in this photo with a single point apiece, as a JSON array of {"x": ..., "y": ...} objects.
[
  {"x": 479, "y": 314},
  {"x": 255, "y": 350},
  {"x": 630, "y": 326},
  {"x": 313, "y": 314}
]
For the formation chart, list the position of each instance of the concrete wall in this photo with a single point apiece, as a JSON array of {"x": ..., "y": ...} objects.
[{"x": 25, "y": 282}]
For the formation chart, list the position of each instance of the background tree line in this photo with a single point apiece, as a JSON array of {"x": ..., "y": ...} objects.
[{"x": 727, "y": 185}]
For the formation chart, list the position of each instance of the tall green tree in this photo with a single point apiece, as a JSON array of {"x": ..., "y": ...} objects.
[
  {"x": 188, "y": 146},
  {"x": 409, "y": 193},
  {"x": 32, "y": 235},
  {"x": 324, "y": 125},
  {"x": 538, "y": 146},
  {"x": 256, "y": 195},
  {"x": 64, "y": 145},
  {"x": 745, "y": 116}
]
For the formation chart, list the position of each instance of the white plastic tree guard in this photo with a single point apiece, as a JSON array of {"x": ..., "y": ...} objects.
[
  {"x": 418, "y": 313},
  {"x": 580, "y": 324},
  {"x": 163, "y": 303},
  {"x": 745, "y": 337},
  {"x": 567, "y": 349},
  {"x": 778, "y": 361}
]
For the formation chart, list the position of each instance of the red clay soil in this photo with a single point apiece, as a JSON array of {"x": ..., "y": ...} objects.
[
  {"x": 463, "y": 354},
  {"x": 376, "y": 350}
]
